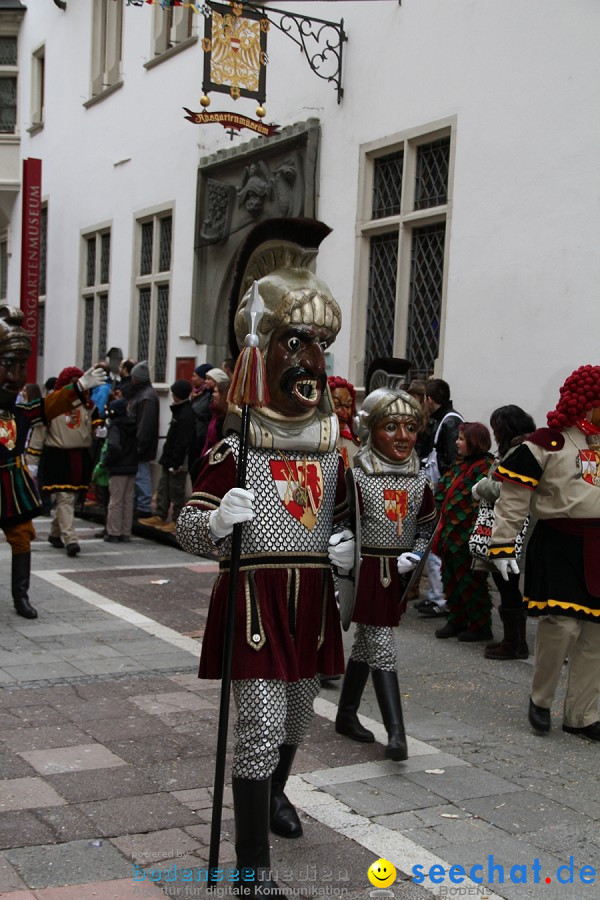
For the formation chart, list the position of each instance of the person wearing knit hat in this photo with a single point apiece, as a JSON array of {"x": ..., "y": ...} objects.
[
  {"x": 19, "y": 499},
  {"x": 553, "y": 475},
  {"x": 181, "y": 389},
  {"x": 216, "y": 376},
  {"x": 68, "y": 463},
  {"x": 174, "y": 460},
  {"x": 141, "y": 372},
  {"x": 144, "y": 409}
]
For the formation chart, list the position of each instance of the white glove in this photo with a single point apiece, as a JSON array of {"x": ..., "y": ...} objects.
[
  {"x": 236, "y": 506},
  {"x": 505, "y": 566},
  {"x": 475, "y": 491},
  {"x": 92, "y": 378},
  {"x": 407, "y": 561},
  {"x": 33, "y": 470},
  {"x": 101, "y": 431},
  {"x": 341, "y": 550}
]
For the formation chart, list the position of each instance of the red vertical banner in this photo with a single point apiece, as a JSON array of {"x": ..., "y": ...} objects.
[{"x": 31, "y": 233}]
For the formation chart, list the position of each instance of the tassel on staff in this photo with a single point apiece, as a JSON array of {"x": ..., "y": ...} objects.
[{"x": 249, "y": 382}]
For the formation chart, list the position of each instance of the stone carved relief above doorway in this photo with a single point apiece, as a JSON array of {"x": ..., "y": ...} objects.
[{"x": 237, "y": 188}]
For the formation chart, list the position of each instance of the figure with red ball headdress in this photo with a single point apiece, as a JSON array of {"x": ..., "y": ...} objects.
[
  {"x": 555, "y": 475},
  {"x": 343, "y": 395}
]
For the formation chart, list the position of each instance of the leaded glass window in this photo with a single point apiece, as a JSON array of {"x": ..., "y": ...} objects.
[
  {"x": 95, "y": 296},
  {"x": 166, "y": 227},
  {"x": 8, "y": 50},
  {"x": 425, "y": 298},
  {"x": 387, "y": 185},
  {"x": 143, "y": 323},
  {"x": 162, "y": 333},
  {"x": 8, "y": 105},
  {"x": 91, "y": 262},
  {"x": 403, "y": 223},
  {"x": 431, "y": 182},
  {"x": 383, "y": 268},
  {"x": 153, "y": 288},
  {"x": 102, "y": 326},
  {"x": 88, "y": 332},
  {"x": 146, "y": 251},
  {"x": 105, "y": 258}
]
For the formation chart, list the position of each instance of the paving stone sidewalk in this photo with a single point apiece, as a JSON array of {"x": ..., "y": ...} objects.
[{"x": 107, "y": 744}]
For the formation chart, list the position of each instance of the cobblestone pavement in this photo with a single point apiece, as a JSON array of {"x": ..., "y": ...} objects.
[{"x": 107, "y": 742}]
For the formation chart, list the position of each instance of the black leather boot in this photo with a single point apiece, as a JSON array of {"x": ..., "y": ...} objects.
[
  {"x": 346, "y": 721},
  {"x": 510, "y": 647},
  {"x": 284, "y": 818},
  {"x": 251, "y": 811},
  {"x": 387, "y": 692},
  {"x": 21, "y": 568}
]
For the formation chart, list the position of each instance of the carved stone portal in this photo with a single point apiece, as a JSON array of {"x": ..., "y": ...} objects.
[{"x": 237, "y": 188}]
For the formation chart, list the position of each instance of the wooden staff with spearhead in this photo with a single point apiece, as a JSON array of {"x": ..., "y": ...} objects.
[{"x": 248, "y": 389}]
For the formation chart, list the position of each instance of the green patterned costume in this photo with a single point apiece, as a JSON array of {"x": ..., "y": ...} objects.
[{"x": 467, "y": 595}]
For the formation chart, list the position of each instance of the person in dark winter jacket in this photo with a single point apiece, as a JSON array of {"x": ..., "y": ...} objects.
[
  {"x": 120, "y": 458},
  {"x": 200, "y": 400},
  {"x": 144, "y": 410},
  {"x": 174, "y": 459}
]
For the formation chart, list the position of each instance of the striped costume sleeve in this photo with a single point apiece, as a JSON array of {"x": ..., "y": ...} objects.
[{"x": 519, "y": 475}]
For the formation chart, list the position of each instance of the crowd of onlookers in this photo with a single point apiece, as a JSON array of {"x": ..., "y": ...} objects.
[
  {"x": 103, "y": 452},
  {"x": 456, "y": 456}
]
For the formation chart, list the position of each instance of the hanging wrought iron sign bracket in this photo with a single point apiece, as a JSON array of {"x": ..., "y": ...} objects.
[{"x": 319, "y": 40}]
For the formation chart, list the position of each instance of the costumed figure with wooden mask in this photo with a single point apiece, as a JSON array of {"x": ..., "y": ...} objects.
[
  {"x": 398, "y": 518},
  {"x": 19, "y": 499},
  {"x": 555, "y": 476},
  {"x": 343, "y": 395},
  {"x": 287, "y": 627}
]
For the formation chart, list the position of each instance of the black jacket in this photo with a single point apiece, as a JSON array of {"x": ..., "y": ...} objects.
[
  {"x": 446, "y": 442},
  {"x": 120, "y": 456},
  {"x": 144, "y": 410},
  {"x": 179, "y": 436}
]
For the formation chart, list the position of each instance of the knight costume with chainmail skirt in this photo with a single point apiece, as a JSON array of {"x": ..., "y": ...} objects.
[
  {"x": 287, "y": 627},
  {"x": 19, "y": 499},
  {"x": 397, "y": 516}
]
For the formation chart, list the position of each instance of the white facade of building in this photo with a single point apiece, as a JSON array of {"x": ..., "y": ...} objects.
[{"x": 514, "y": 86}]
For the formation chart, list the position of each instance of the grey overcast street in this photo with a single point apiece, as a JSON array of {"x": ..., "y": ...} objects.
[{"x": 107, "y": 753}]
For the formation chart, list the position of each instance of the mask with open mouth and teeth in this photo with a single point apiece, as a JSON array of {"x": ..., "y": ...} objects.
[{"x": 301, "y": 317}]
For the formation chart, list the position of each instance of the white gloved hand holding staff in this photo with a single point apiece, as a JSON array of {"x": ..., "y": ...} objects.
[{"x": 236, "y": 506}]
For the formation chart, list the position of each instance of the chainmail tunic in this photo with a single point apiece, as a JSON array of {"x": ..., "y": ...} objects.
[
  {"x": 398, "y": 514},
  {"x": 287, "y": 623}
]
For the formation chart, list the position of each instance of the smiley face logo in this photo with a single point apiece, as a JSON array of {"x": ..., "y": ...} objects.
[{"x": 381, "y": 873}]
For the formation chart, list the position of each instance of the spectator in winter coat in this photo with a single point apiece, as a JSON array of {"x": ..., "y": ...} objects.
[
  {"x": 120, "y": 458},
  {"x": 174, "y": 458},
  {"x": 200, "y": 400},
  {"x": 144, "y": 410}
]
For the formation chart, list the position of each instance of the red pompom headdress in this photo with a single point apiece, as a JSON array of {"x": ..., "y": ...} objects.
[
  {"x": 336, "y": 381},
  {"x": 67, "y": 376},
  {"x": 579, "y": 394}
]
